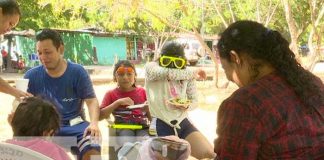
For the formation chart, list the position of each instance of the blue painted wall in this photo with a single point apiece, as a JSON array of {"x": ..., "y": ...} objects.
[{"x": 108, "y": 47}]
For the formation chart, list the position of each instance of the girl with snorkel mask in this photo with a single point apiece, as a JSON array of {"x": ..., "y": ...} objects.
[{"x": 171, "y": 93}]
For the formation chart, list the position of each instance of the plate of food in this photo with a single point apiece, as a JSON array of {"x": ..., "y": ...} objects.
[
  {"x": 179, "y": 102},
  {"x": 136, "y": 106}
]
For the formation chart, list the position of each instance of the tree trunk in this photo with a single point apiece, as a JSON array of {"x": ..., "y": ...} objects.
[
  {"x": 269, "y": 16},
  {"x": 314, "y": 50},
  {"x": 159, "y": 41},
  {"x": 258, "y": 17},
  {"x": 292, "y": 28},
  {"x": 231, "y": 11},
  {"x": 202, "y": 42},
  {"x": 212, "y": 55},
  {"x": 219, "y": 14}
]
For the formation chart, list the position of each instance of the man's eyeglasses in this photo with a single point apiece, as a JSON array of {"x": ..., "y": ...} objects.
[
  {"x": 167, "y": 60},
  {"x": 124, "y": 70}
]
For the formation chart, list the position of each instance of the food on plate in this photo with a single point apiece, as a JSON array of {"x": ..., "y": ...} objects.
[{"x": 180, "y": 102}]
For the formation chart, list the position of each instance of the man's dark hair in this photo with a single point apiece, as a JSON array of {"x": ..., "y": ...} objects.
[
  {"x": 9, "y": 7},
  {"x": 33, "y": 117},
  {"x": 52, "y": 35}
]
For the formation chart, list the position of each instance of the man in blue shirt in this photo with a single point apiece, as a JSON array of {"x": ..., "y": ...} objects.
[{"x": 67, "y": 85}]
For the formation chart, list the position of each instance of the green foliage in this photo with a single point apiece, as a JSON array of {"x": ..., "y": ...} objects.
[
  {"x": 33, "y": 15},
  {"x": 147, "y": 17},
  {"x": 76, "y": 44},
  {"x": 301, "y": 12}
]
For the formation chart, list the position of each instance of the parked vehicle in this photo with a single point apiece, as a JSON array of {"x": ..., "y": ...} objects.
[
  {"x": 304, "y": 50},
  {"x": 191, "y": 48}
]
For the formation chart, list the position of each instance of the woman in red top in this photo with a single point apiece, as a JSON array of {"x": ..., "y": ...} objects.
[{"x": 278, "y": 110}]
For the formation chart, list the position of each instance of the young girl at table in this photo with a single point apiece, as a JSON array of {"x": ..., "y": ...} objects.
[{"x": 126, "y": 94}]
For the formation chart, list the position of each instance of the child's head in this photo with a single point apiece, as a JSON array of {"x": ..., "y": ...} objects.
[
  {"x": 35, "y": 117},
  {"x": 173, "y": 56},
  {"x": 125, "y": 74}
]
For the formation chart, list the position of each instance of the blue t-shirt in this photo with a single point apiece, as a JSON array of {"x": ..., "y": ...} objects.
[{"x": 66, "y": 92}]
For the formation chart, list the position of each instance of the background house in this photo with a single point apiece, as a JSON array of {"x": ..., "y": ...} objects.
[{"x": 83, "y": 47}]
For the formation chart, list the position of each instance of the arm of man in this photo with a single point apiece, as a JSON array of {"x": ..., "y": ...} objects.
[
  {"x": 6, "y": 88},
  {"x": 93, "y": 108},
  {"x": 86, "y": 92}
]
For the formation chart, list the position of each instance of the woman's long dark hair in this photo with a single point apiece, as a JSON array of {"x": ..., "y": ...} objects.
[{"x": 261, "y": 43}]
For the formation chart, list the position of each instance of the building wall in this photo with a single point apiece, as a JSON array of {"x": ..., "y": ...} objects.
[
  {"x": 78, "y": 47},
  {"x": 110, "y": 49},
  {"x": 86, "y": 49},
  {"x": 27, "y": 48},
  {"x": 26, "y": 44}
]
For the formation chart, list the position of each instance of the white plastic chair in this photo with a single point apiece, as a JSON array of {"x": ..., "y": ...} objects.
[
  {"x": 10, "y": 151},
  {"x": 112, "y": 135}
]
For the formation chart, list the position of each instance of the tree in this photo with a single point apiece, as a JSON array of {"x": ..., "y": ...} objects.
[
  {"x": 229, "y": 11},
  {"x": 316, "y": 13},
  {"x": 32, "y": 15},
  {"x": 305, "y": 18},
  {"x": 161, "y": 19},
  {"x": 292, "y": 25},
  {"x": 148, "y": 26}
]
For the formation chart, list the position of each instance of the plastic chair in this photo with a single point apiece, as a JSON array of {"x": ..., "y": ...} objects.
[
  {"x": 112, "y": 140},
  {"x": 10, "y": 151},
  {"x": 112, "y": 134}
]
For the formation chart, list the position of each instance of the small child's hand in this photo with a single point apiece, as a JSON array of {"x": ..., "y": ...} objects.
[{"x": 125, "y": 101}]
